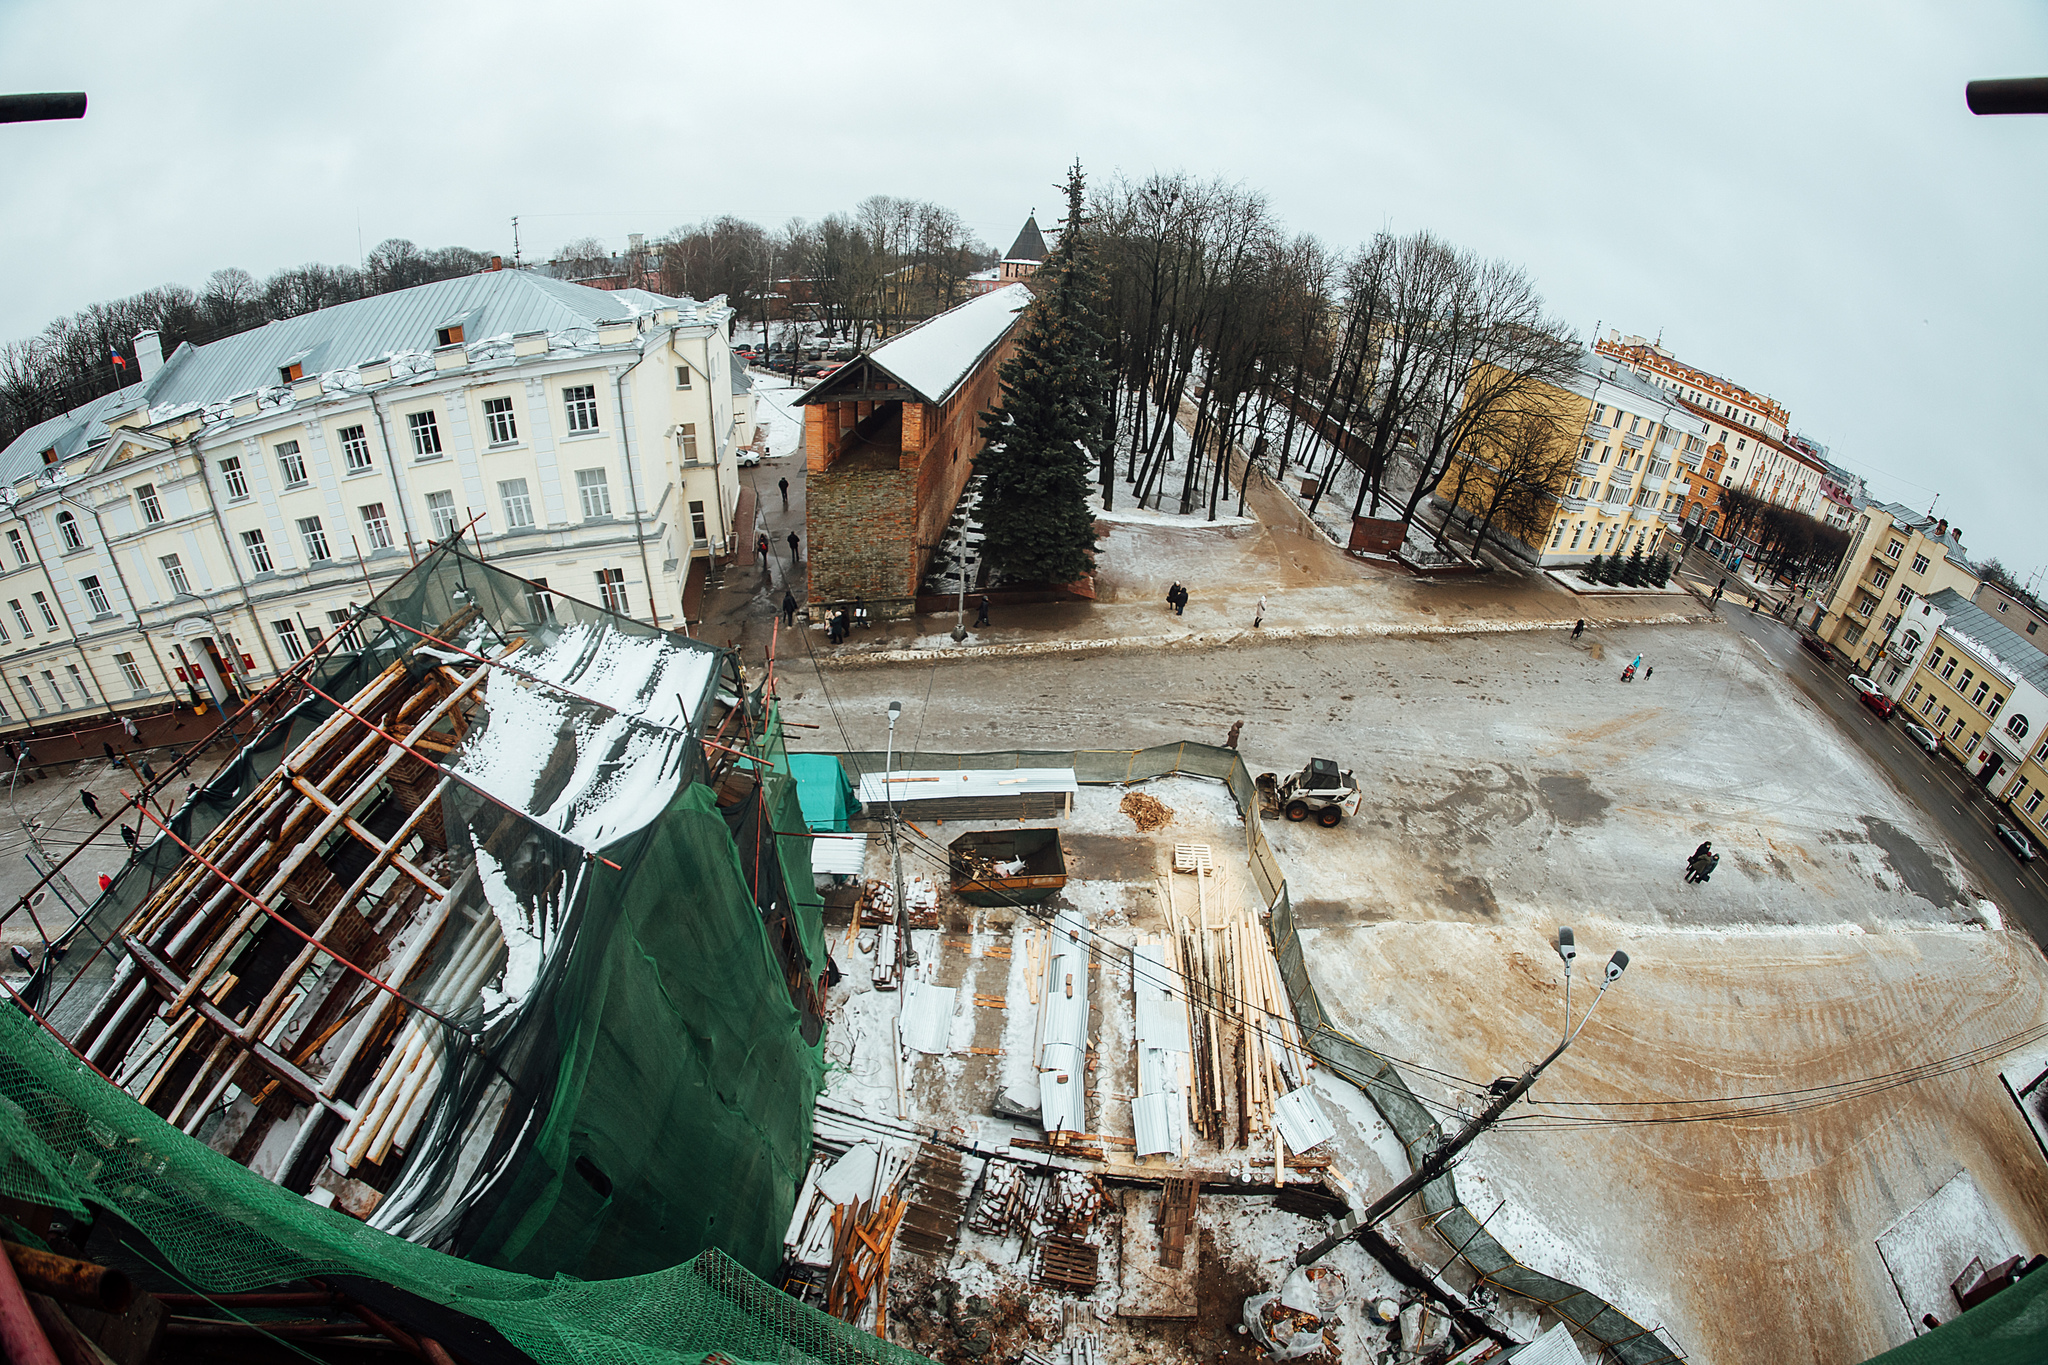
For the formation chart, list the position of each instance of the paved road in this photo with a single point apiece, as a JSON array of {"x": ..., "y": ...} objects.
[{"x": 1937, "y": 784}]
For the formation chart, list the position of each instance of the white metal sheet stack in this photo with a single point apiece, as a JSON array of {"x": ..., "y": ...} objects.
[
  {"x": 1159, "y": 1114},
  {"x": 1063, "y": 1028}
]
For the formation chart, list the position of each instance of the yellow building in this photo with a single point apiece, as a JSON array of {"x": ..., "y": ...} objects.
[{"x": 1895, "y": 553}]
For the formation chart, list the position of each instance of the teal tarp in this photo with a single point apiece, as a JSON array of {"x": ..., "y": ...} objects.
[{"x": 822, "y": 790}]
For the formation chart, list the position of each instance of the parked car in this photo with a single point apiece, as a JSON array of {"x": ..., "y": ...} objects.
[
  {"x": 1923, "y": 737},
  {"x": 845, "y": 353},
  {"x": 1862, "y": 684},
  {"x": 1878, "y": 702},
  {"x": 748, "y": 459},
  {"x": 2017, "y": 842},
  {"x": 1818, "y": 647}
]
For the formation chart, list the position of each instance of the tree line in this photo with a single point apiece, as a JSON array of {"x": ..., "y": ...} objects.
[{"x": 1786, "y": 542}]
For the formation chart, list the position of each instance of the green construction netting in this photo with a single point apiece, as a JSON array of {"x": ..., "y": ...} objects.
[
  {"x": 655, "y": 1088},
  {"x": 822, "y": 787},
  {"x": 2009, "y": 1328}
]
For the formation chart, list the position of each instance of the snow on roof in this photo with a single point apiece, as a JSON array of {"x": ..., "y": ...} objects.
[
  {"x": 933, "y": 357},
  {"x": 1990, "y": 639},
  {"x": 928, "y": 785}
]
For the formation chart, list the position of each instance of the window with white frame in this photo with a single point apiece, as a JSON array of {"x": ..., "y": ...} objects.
[
  {"x": 611, "y": 587},
  {"x": 1912, "y": 696},
  {"x": 539, "y": 601},
  {"x": 1920, "y": 563},
  {"x": 343, "y": 623},
  {"x": 291, "y": 464},
  {"x": 288, "y": 636},
  {"x": 145, "y": 498},
  {"x": 518, "y": 507},
  {"x": 56, "y": 691},
  {"x": 686, "y": 437},
  {"x": 4, "y": 637},
  {"x": 426, "y": 434},
  {"x": 315, "y": 538},
  {"x": 579, "y": 405},
  {"x": 67, "y": 531},
  {"x": 700, "y": 532},
  {"x": 232, "y": 476},
  {"x": 376, "y": 525},
  {"x": 43, "y": 605},
  {"x": 355, "y": 449},
  {"x": 34, "y": 698},
  {"x": 96, "y": 596},
  {"x": 498, "y": 420},
  {"x": 78, "y": 684},
  {"x": 441, "y": 514},
  {"x": 2016, "y": 725},
  {"x": 131, "y": 673},
  {"x": 595, "y": 491},
  {"x": 1956, "y": 733},
  {"x": 2034, "y": 802},
  {"x": 20, "y": 546},
  {"x": 174, "y": 574},
  {"x": 259, "y": 552},
  {"x": 21, "y": 618}
]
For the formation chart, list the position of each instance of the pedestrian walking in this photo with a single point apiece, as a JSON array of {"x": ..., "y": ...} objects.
[
  {"x": 860, "y": 615},
  {"x": 1230, "y": 740},
  {"x": 1173, "y": 595},
  {"x": 1579, "y": 629},
  {"x": 92, "y": 804},
  {"x": 1180, "y": 604},
  {"x": 128, "y": 837},
  {"x": 1648, "y": 671},
  {"x": 113, "y": 759},
  {"x": 1707, "y": 868},
  {"x": 1706, "y": 847},
  {"x": 148, "y": 773},
  {"x": 794, "y": 557},
  {"x": 128, "y": 725},
  {"x": 785, "y": 493},
  {"x": 761, "y": 547},
  {"x": 1259, "y": 613},
  {"x": 981, "y": 611},
  {"x": 788, "y": 609}
]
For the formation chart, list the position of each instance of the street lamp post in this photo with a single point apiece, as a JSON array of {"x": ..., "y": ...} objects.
[
  {"x": 1440, "y": 1160},
  {"x": 961, "y": 560}
]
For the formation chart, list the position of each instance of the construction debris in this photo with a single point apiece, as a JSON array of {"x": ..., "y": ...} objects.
[
  {"x": 1149, "y": 812},
  {"x": 1067, "y": 1263}
]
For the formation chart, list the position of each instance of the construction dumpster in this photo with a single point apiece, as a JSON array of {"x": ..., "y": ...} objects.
[{"x": 1008, "y": 866}]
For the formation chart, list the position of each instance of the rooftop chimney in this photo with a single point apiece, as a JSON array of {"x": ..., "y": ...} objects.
[
  {"x": 635, "y": 241},
  {"x": 497, "y": 262},
  {"x": 149, "y": 354}
]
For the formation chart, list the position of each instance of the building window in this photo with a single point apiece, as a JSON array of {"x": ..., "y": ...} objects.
[
  {"x": 1941, "y": 719},
  {"x": 343, "y": 624},
  {"x": 539, "y": 601},
  {"x": 1558, "y": 535},
  {"x": 699, "y": 532},
  {"x": 259, "y": 553},
  {"x": 131, "y": 673},
  {"x": 2016, "y": 725},
  {"x": 288, "y": 636},
  {"x": 34, "y": 698},
  {"x": 43, "y": 605},
  {"x": 2034, "y": 801},
  {"x": 1600, "y": 415},
  {"x": 1577, "y": 531},
  {"x": 426, "y": 434},
  {"x": 1905, "y": 596},
  {"x": 21, "y": 618},
  {"x": 580, "y": 403},
  {"x": 441, "y": 513},
  {"x": 1955, "y": 735},
  {"x": 174, "y": 572},
  {"x": 78, "y": 684},
  {"x": 355, "y": 449},
  {"x": 611, "y": 587},
  {"x": 1889, "y": 622},
  {"x": 1912, "y": 696},
  {"x": 4, "y": 638},
  {"x": 2041, "y": 754},
  {"x": 291, "y": 464},
  {"x": 67, "y": 530},
  {"x": 1919, "y": 563},
  {"x": 595, "y": 491},
  {"x": 1881, "y": 576},
  {"x": 518, "y": 507},
  {"x": 231, "y": 475},
  {"x": 20, "y": 547},
  {"x": 1949, "y": 670},
  {"x": 96, "y": 596},
  {"x": 498, "y": 418},
  {"x": 315, "y": 538},
  {"x": 1977, "y": 700},
  {"x": 686, "y": 437},
  {"x": 682, "y": 376},
  {"x": 56, "y": 692},
  {"x": 376, "y": 525},
  {"x": 1896, "y": 548},
  {"x": 1997, "y": 705},
  {"x": 448, "y": 336},
  {"x": 145, "y": 498}
]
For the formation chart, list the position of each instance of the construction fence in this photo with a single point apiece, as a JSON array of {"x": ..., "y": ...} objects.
[{"x": 1621, "y": 1336}]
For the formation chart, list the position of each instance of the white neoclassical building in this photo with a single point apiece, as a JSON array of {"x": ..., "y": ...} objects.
[{"x": 211, "y": 522}]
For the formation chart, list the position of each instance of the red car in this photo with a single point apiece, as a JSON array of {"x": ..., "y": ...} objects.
[{"x": 1878, "y": 702}]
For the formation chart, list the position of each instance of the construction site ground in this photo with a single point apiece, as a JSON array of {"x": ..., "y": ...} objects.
[{"x": 1514, "y": 783}]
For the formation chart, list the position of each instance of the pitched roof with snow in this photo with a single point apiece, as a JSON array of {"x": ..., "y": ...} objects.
[
  {"x": 1030, "y": 243},
  {"x": 935, "y": 357},
  {"x": 492, "y": 304},
  {"x": 1999, "y": 643}
]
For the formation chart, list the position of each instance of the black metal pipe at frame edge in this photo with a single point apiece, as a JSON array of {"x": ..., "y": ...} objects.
[{"x": 1378, "y": 1078}]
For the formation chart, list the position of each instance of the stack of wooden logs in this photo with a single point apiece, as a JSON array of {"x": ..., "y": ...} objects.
[
  {"x": 1247, "y": 1049},
  {"x": 862, "y": 1234}
]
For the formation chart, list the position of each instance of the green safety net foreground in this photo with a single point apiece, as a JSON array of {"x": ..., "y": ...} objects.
[
  {"x": 2009, "y": 1328},
  {"x": 69, "y": 1141}
]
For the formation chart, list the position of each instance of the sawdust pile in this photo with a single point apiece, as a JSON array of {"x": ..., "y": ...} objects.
[{"x": 1149, "y": 811}]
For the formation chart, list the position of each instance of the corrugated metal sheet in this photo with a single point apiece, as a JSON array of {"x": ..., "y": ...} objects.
[
  {"x": 904, "y": 787},
  {"x": 1152, "y": 1118},
  {"x": 840, "y": 854},
  {"x": 1301, "y": 1121},
  {"x": 928, "y": 1016},
  {"x": 1554, "y": 1347},
  {"x": 1063, "y": 1027},
  {"x": 1162, "y": 1010}
]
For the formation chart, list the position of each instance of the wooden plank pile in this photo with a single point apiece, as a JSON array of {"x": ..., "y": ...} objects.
[
  {"x": 862, "y": 1235},
  {"x": 1068, "y": 1263},
  {"x": 1175, "y": 1220}
]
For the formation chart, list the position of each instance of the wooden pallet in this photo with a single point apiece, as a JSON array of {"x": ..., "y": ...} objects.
[
  {"x": 1065, "y": 1263},
  {"x": 1176, "y": 1219}
]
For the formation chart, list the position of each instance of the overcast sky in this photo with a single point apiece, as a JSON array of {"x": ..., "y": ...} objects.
[{"x": 1795, "y": 197}]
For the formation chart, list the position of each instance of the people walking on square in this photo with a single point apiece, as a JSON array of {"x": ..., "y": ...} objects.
[
  {"x": 761, "y": 547},
  {"x": 1173, "y": 595},
  {"x": 113, "y": 759},
  {"x": 1579, "y": 629},
  {"x": 1180, "y": 599},
  {"x": 1259, "y": 613},
  {"x": 128, "y": 837},
  {"x": 794, "y": 557},
  {"x": 128, "y": 725},
  {"x": 785, "y": 493},
  {"x": 92, "y": 804},
  {"x": 1230, "y": 740},
  {"x": 981, "y": 614}
]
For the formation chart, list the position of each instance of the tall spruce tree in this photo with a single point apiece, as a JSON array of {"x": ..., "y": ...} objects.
[{"x": 1041, "y": 446}]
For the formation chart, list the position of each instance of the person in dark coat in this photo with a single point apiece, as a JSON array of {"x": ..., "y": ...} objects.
[
  {"x": 788, "y": 609},
  {"x": 981, "y": 611},
  {"x": 91, "y": 804},
  {"x": 785, "y": 493},
  {"x": 1173, "y": 595},
  {"x": 128, "y": 837},
  {"x": 1180, "y": 601},
  {"x": 1706, "y": 847},
  {"x": 794, "y": 557},
  {"x": 1707, "y": 872},
  {"x": 1230, "y": 740},
  {"x": 1579, "y": 629},
  {"x": 113, "y": 759},
  {"x": 761, "y": 547}
]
